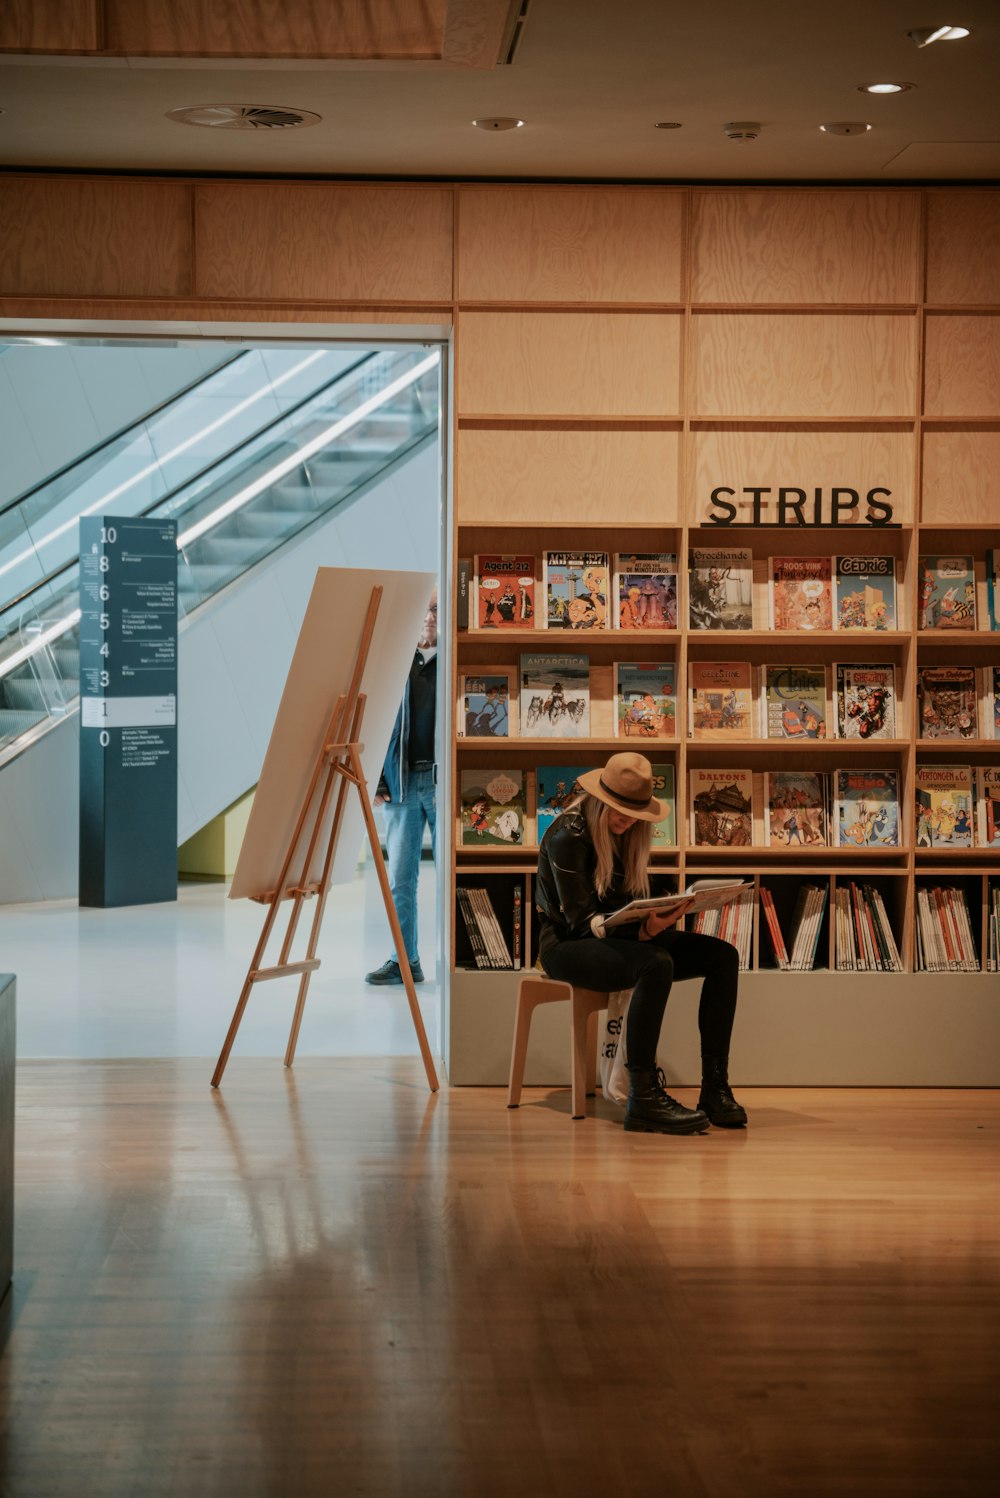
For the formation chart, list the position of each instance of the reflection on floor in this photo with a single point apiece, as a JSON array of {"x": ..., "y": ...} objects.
[
  {"x": 163, "y": 980},
  {"x": 327, "y": 1282}
]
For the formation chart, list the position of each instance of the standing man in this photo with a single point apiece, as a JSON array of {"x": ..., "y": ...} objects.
[{"x": 406, "y": 794}]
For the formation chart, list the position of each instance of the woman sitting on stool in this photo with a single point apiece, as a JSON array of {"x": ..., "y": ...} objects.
[{"x": 594, "y": 859}]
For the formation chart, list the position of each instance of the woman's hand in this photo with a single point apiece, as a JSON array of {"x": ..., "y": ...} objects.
[{"x": 659, "y": 921}]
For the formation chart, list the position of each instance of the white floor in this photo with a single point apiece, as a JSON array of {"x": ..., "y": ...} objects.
[{"x": 163, "y": 980}]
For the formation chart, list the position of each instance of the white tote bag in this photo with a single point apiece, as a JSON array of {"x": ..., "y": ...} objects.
[{"x": 614, "y": 1077}]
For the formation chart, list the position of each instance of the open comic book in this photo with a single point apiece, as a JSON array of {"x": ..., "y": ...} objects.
[{"x": 703, "y": 894}]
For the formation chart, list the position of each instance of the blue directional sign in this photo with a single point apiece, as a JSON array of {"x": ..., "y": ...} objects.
[{"x": 128, "y": 710}]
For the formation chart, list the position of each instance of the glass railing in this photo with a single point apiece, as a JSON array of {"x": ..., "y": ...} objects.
[{"x": 316, "y": 452}]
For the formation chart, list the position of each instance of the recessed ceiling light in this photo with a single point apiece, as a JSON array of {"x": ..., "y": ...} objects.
[
  {"x": 846, "y": 127},
  {"x": 884, "y": 88},
  {"x": 924, "y": 35},
  {"x": 667, "y": 125},
  {"x": 244, "y": 117},
  {"x": 499, "y": 122}
]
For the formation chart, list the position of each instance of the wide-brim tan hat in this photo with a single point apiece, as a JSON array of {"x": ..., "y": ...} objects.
[{"x": 626, "y": 785}]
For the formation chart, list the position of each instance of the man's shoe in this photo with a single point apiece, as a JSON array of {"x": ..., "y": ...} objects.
[{"x": 389, "y": 973}]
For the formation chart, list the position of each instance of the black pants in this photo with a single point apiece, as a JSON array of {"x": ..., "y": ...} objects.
[{"x": 649, "y": 968}]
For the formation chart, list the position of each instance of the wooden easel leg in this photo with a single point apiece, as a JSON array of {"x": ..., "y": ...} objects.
[
  {"x": 394, "y": 926},
  {"x": 245, "y": 993}
]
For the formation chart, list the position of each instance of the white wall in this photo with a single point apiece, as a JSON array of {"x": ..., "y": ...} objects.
[{"x": 234, "y": 655}]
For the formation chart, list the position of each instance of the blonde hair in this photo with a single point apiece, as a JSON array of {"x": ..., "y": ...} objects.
[{"x": 635, "y": 845}]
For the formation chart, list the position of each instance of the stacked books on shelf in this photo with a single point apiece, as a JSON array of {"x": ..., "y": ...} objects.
[
  {"x": 947, "y": 592},
  {"x": 805, "y": 929},
  {"x": 576, "y": 589},
  {"x": 732, "y": 922},
  {"x": 993, "y": 931},
  {"x": 720, "y": 588},
  {"x": 490, "y": 948},
  {"x": 646, "y": 590},
  {"x": 864, "y": 937},
  {"x": 945, "y": 943}
]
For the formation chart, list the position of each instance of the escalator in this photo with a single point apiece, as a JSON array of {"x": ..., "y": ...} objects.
[{"x": 274, "y": 442}]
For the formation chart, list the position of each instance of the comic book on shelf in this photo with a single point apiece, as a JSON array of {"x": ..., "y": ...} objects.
[
  {"x": 946, "y": 699},
  {"x": 988, "y": 806},
  {"x": 665, "y": 832},
  {"x": 504, "y": 591},
  {"x": 555, "y": 696},
  {"x": 556, "y": 787},
  {"x": 645, "y": 700},
  {"x": 720, "y": 588},
  {"x": 796, "y": 808},
  {"x": 991, "y": 702},
  {"x": 492, "y": 808},
  {"x": 463, "y": 590},
  {"x": 720, "y": 700},
  {"x": 645, "y": 590},
  {"x": 489, "y": 945},
  {"x": 576, "y": 589},
  {"x": 865, "y": 592},
  {"x": 722, "y": 808},
  {"x": 993, "y": 588},
  {"x": 865, "y": 701},
  {"x": 800, "y": 593},
  {"x": 484, "y": 705},
  {"x": 945, "y": 806},
  {"x": 793, "y": 702},
  {"x": 866, "y": 808},
  {"x": 947, "y": 592},
  {"x": 945, "y": 943}
]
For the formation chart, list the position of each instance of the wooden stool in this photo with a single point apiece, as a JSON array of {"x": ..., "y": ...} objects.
[{"x": 585, "y": 1005}]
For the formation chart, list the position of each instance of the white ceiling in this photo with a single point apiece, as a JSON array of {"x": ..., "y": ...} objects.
[{"x": 590, "y": 78}]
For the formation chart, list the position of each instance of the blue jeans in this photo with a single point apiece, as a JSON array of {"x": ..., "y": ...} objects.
[{"x": 404, "y": 833}]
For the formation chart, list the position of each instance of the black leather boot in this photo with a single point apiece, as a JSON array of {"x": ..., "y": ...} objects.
[
  {"x": 650, "y": 1110},
  {"x": 717, "y": 1096}
]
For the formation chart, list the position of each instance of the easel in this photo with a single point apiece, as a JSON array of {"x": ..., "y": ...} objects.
[{"x": 338, "y": 765}]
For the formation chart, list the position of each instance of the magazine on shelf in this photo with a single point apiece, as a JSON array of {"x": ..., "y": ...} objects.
[
  {"x": 732, "y": 922},
  {"x": 793, "y": 702},
  {"x": 505, "y": 591},
  {"x": 866, "y": 808},
  {"x": 865, "y": 592},
  {"x": 555, "y": 697},
  {"x": 484, "y": 703},
  {"x": 720, "y": 588},
  {"x": 665, "y": 832},
  {"x": 946, "y": 698},
  {"x": 556, "y": 787},
  {"x": 489, "y": 945},
  {"x": 947, "y": 592},
  {"x": 720, "y": 700},
  {"x": 722, "y": 809},
  {"x": 945, "y": 806},
  {"x": 800, "y": 593},
  {"x": 945, "y": 942},
  {"x": 773, "y": 927},
  {"x": 492, "y": 808},
  {"x": 645, "y": 590},
  {"x": 463, "y": 589},
  {"x": 865, "y": 701},
  {"x": 993, "y": 588},
  {"x": 576, "y": 589},
  {"x": 988, "y": 806},
  {"x": 645, "y": 700},
  {"x": 703, "y": 894},
  {"x": 796, "y": 808}
]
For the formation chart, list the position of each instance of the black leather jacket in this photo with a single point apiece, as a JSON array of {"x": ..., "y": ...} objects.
[{"x": 564, "y": 890}]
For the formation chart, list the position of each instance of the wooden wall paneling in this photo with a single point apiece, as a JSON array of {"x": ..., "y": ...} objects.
[
  {"x": 766, "y": 365},
  {"x": 569, "y": 244},
  {"x": 604, "y": 364},
  {"x": 323, "y": 241},
  {"x": 578, "y": 476},
  {"x": 776, "y": 456},
  {"x": 77, "y": 237},
  {"x": 302, "y": 28},
  {"x": 962, "y": 365},
  {"x": 49, "y": 26},
  {"x": 428, "y": 321},
  {"x": 963, "y": 246},
  {"x": 475, "y": 31},
  {"x": 795, "y": 246},
  {"x": 960, "y": 487}
]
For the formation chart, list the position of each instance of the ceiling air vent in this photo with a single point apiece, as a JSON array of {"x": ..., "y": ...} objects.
[{"x": 244, "y": 117}]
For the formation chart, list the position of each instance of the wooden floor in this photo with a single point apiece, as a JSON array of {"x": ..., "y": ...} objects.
[{"x": 328, "y": 1282}]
